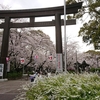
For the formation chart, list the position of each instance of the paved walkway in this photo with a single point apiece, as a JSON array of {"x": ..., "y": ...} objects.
[{"x": 10, "y": 89}]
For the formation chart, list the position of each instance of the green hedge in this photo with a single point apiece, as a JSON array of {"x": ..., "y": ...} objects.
[
  {"x": 14, "y": 75},
  {"x": 95, "y": 70}
]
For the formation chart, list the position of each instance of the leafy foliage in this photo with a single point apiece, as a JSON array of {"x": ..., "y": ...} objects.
[
  {"x": 64, "y": 86},
  {"x": 90, "y": 31}
]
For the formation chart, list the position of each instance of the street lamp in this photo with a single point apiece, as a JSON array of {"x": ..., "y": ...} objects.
[{"x": 65, "y": 35}]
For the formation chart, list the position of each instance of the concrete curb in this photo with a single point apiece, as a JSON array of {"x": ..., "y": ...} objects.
[{"x": 2, "y": 80}]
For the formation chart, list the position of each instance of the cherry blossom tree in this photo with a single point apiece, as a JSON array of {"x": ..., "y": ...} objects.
[{"x": 29, "y": 44}]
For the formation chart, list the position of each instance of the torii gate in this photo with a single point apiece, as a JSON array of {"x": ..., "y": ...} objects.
[{"x": 7, "y": 15}]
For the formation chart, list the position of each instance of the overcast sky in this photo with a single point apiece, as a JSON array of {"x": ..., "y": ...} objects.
[
  {"x": 71, "y": 31},
  {"x": 24, "y": 4}
]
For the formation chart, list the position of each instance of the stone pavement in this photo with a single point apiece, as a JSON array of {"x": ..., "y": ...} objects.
[{"x": 9, "y": 89}]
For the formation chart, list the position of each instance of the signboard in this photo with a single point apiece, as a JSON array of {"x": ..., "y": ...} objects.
[
  {"x": 1, "y": 69},
  {"x": 59, "y": 63},
  {"x": 22, "y": 60}
]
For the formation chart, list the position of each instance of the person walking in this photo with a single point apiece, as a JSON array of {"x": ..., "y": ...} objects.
[{"x": 32, "y": 77}]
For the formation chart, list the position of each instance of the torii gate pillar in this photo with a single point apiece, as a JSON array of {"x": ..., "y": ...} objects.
[
  {"x": 58, "y": 43},
  {"x": 5, "y": 44}
]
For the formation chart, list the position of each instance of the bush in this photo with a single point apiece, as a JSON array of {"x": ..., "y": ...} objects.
[
  {"x": 95, "y": 70},
  {"x": 14, "y": 75},
  {"x": 64, "y": 87},
  {"x": 68, "y": 86}
]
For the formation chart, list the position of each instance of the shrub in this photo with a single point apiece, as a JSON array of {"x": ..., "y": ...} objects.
[
  {"x": 68, "y": 86},
  {"x": 64, "y": 87},
  {"x": 95, "y": 70},
  {"x": 14, "y": 75}
]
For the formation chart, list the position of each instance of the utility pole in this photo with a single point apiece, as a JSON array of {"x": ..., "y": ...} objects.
[{"x": 65, "y": 35}]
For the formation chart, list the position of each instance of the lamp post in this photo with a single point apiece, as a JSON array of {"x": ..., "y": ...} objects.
[{"x": 65, "y": 35}]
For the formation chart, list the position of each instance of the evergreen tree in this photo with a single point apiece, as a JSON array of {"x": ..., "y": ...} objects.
[{"x": 90, "y": 31}]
